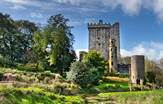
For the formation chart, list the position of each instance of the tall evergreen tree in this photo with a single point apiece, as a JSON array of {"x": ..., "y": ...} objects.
[{"x": 54, "y": 44}]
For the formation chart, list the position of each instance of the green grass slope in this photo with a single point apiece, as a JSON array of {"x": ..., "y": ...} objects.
[
  {"x": 33, "y": 95},
  {"x": 138, "y": 97}
]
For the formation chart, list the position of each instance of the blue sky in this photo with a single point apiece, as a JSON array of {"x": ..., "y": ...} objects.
[{"x": 141, "y": 21}]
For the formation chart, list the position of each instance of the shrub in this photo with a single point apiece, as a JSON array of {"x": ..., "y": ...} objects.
[
  {"x": 6, "y": 62},
  {"x": 29, "y": 67},
  {"x": 76, "y": 69},
  {"x": 150, "y": 77},
  {"x": 94, "y": 59},
  {"x": 84, "y": 75},
  {"x": 89, "y": 71},
  {"x": 121, "y": 75}
]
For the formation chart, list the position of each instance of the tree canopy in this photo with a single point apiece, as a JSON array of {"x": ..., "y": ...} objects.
[
  {"x": 54, "y": 43},
  {"x": 15, "y": 37}
]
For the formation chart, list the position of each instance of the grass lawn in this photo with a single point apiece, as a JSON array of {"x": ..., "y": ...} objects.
[
  {"x": 137, "y": 97},
  {"x": 112, "y": 91},
  {"x": 34, "y": 95},
  {"x": 113, "y": 86}
]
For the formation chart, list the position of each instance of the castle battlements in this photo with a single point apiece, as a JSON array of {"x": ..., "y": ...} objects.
[{"x": 100, "y": 24}]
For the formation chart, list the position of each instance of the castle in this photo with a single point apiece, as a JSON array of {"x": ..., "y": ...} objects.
[{"x": 105, "y": 38}]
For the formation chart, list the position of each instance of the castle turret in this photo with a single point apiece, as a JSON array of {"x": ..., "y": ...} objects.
[{"x": 137, "y": 69}]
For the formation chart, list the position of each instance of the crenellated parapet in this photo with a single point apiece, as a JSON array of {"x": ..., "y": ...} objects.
[{"x": 100, "y": 24}]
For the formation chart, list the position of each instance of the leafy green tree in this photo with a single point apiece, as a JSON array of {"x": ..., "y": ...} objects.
[
  {"x": 89, "y": 71},
  {"x": 96, "y": 65},
  {"x": 15, "y": 37},
  {"x": 153, "y": 73},
  {"x": 150, "y": 65},
  {"x": 150, "y": 77},
  {"x": 94, "y": 59},
  {"x": 25, "y": 30},
  {"x": 76, "y": 68},
  {"x": 54, "y": 43},
  {"x": 8, "y": 45}
]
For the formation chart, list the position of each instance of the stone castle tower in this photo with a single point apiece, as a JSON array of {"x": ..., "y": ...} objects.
[
  {"x": 137, "y": 69},
  {"x": 101, "y": 36}
]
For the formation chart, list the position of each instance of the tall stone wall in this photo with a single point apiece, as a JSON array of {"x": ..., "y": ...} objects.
[
  {"x": 137, "y": 69},
  {"x": 99, "y": 36}
]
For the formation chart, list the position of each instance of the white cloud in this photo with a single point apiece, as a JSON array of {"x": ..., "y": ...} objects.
[
  {"x": 23, "y": 3},
  {"x": 150, "y": 50},
  {"x": 130, "y": 7},
  {"x": 157, "y": 45},
  {"x": 16, "y": 7},
  {"x": 36, "y": 15},
  {"x": 20, "y": 2},
  {"x": 158, "y": 8}
]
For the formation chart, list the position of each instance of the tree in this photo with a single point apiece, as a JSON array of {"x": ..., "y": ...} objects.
[
  {"x": 96, "y": 63},
  {"x": 94, "y": 58},
  {"x": 25, "y": 30},
  {"x": 150, "y": 65},
  {"x": 8, "y": 47},
  {"x": 153, "y": 73},
  {"x": 89, "y": 71},
  {"x": 161, "y": 61},
  {"x": 15, "y": 37},
  {"x": 54, "y": 44},
  {"x": 83, "y": 75}
]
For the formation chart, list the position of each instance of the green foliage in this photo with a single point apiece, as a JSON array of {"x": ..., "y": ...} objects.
[
  {"x": 154, "y": 72},
  {"x": 150, "y": 77},
  {"x": 78, "y": 72},
  {"x": 94, "y": 59},
  {"x": 34, "y": 95},
  {"x": 113, "y": 86},
  {"x": 83, "y": 75},
  {"x": 53, "y": 44},
  {"x": 45, "y": 80},
  {"x": 150, "y": 65},
  {"x": 15, "y": 37},
  {"x": 89, "y": 71},
  {"x": 5, "y": 62},
  {"x": 29, "y": 68},
  {"x": 120, "y": 75}
]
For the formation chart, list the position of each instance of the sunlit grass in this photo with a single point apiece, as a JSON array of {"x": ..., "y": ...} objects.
[{"x": 137, "y": 97}]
